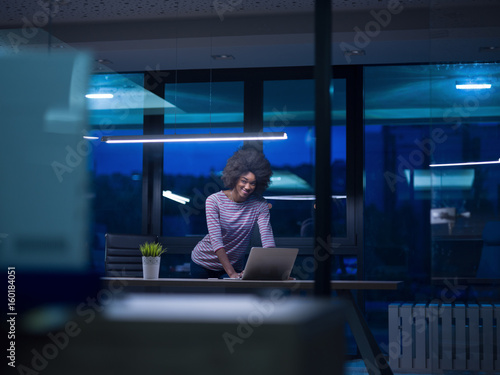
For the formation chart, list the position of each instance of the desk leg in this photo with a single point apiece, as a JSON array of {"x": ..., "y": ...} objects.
[{"x": 370, "y": 352}]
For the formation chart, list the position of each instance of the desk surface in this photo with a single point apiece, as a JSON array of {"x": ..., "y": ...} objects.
[
  {"x": 288, "y": 284},
  {"x": 364, "y": 338}
]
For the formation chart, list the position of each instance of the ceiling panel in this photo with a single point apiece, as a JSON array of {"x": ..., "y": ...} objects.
[
  {"x": 13, "y": 12},
  {"x": 184, "y": 34}
]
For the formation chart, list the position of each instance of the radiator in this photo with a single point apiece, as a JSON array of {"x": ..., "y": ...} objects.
[{"x": 430, "y": 337}]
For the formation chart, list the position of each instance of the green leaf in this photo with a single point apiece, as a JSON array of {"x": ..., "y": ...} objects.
[{"x": 151, "y": 249}]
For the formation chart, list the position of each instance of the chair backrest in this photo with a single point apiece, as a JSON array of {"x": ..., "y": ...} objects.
[
  {"x": 489, "y": 265},
  {"x": 123, "y": 257}
]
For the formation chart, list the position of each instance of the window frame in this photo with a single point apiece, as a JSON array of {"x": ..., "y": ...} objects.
[{"x": 253, "y": 80}]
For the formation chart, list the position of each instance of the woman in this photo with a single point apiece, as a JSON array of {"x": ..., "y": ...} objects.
[{"x": 231, "y": 216}]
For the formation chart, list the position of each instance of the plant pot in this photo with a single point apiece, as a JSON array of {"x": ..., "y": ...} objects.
[{"x": 151, "y": 267}]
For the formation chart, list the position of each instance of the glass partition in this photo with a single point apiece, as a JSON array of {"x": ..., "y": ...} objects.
[
  {"x": 464, "y": 174},
  {"x": 428, "y": 194}
]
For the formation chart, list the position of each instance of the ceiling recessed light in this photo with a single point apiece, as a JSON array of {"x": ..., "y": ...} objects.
[
  {"x": 104, "y": 61},
  {"x": 223, "y": 57},
  {"x": 355, "y": 52},
  {"x": 489, "y": 49}
]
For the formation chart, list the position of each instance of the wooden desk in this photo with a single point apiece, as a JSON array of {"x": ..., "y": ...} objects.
[
  {"x": 258, "y": 284},
  {"x": 375, "y": 361}
]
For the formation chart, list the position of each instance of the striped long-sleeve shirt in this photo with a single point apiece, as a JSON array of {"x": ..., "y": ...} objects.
[{"x": 230, "y": 226}]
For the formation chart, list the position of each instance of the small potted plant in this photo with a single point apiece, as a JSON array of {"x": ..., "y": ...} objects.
[{"x": 151, "y": 255}]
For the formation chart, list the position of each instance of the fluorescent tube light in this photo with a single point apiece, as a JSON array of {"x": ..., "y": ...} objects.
[
  {"x": 472, "y": 85},
  {"x": 194, "y": 137},
  {"x": 299, "y": 197},
  {"x": 99, "y": 96},
  {"x": 90, "y": 137},
  {"x": 466, "y": 163},
  {"x": 178, "y": 198}
]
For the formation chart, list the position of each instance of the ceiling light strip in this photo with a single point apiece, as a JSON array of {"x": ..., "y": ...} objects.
[
  {"x": 194, "y": 137},
  {"x": 175, "y": 197},
  {"x": 299, "y": 197},
  {"x": 466, "y": 163},
  {"x": 473, "y": 86},
  {"x": 99, "y": 96}
]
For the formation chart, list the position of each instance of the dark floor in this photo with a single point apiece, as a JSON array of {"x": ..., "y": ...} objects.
[{"x": 357, "y": 366}]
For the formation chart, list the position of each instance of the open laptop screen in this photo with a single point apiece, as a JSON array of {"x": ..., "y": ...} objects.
[{"x": 271, "y": 263}]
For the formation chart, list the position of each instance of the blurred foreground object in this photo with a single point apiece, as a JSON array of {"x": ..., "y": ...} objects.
[
  {"x": 44, "y": 215},
  {"x": 209, "y": 334}
]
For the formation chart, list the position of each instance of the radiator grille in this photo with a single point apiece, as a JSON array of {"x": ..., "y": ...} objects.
[{"x": 427, "y": 337}]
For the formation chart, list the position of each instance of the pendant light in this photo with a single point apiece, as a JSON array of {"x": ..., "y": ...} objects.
[{"x": 203, "y": 137}]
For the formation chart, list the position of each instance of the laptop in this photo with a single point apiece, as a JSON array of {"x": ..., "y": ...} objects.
[{"x": 269, "y": 263}]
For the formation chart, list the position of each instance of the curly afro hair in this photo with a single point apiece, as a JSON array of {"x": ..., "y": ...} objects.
[{"x": 248, "y": 159}]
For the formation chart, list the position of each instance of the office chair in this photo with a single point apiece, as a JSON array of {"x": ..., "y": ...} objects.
[
  {"x": 123, "y": 257},
  {"x": 489, "y": 264}
]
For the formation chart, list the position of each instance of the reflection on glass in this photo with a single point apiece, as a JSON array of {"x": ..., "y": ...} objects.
[
  {"x": 193, "y": 171},
  {"x": 416, "y": 214},
  {"x": 126, "y": 106},
  {"x": 201, "y": 104},
  {"x": 289, "y": 107}
]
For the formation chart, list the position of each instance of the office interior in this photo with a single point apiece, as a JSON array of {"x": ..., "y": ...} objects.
[{"x": 413, "y": 163}]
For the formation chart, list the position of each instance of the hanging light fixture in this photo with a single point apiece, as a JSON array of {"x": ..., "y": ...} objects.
[
  {"x": 211, "y": 137},
  {"x": 204, "y": 137},
  {"x": 465, "y": 163}
]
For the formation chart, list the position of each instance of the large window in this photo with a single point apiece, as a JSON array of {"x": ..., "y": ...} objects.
[
  {"x": 193, "y": 170},
  {"x": 426, "y": 224},
  {"x": 289, "y": 107},
  {"x": 116, "y": 169}
]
